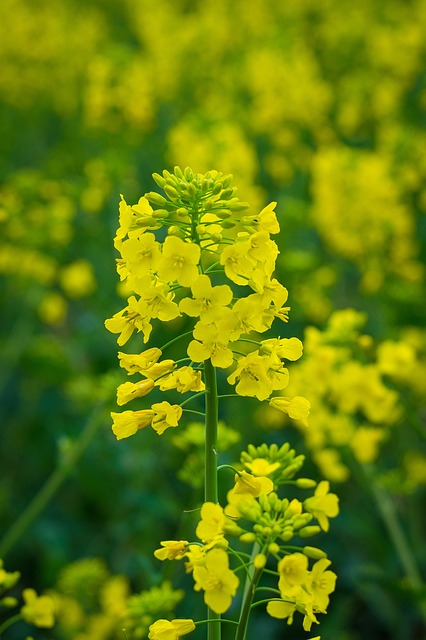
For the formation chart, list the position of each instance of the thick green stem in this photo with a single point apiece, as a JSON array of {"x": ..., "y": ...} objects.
[
  {"x": 210, "y": 467},
  {"x": 52, "y": 484},
  {"x": 249, "y": 589},
  {"x": 210, "y": 471}
]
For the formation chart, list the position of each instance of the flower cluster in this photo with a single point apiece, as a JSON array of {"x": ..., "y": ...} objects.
[
  {"x": 212, "y": 244},
  {"x": 256, "y": 515}
]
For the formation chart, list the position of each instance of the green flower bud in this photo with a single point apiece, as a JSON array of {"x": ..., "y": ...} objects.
[
  {"x": 148, "y": 221},
  {"x": 273, "y": 548},
  {"x": 259, "y": 561},
  {"x": 176, "y": 231},
  {"x": 182, "y": 212},
  {"x": 248, "y": 537},
  {"x": 188, "y": 173},
  {"x": 228, "y": 224},
  {"x": 305, "y": 483},
  {"x": 217, "y": 188},
  {"x": 287, "y": 535},
  {"x": 155, "y": 198},
  {"x": 236, "y": 205},
  {"x": 314, "y": 553},
  {"x": 171, "y": 192},
  {"x": 191, "y": 190},
  {"x": 159, "y": 180},
  {"x": 307, "y": 532},
  {"x": 222, "y": 213},
  {"x": 226, "y": 181},
  {"x": 9, "y": 602},
  {"x": 227, "y": 194},
  {"x": 161, "y": 213},
  {"x": 178, "y": 172}
]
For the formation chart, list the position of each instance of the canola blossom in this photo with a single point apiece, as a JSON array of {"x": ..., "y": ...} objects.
[{"x": 211, "y": 245}]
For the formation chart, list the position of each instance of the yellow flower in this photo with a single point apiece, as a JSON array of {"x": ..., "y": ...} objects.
[
  {"x": 183, "y": 379},
  {"x": 179, "y": 261},
  {"x": 287, "y": 348},
  {"x": 238, "y": 266},
  {"x": 170, "y": 630},
  {"x": 322, "y": 505},
  {"x": 127, "y": 423},
  {"x": 251, "y": 373},
  {"x": 165, "y": 415},
  {"x": 135, "y": 363},
  {"x": 130, "y": 390},
  {"x": 127, "y": 320},
  {"x": 217, "y": 580},
  {"x": 281, "y": 609},
  {"x": 245, "y": 483},
  {"x": 205, "y": 298},
  {"x": 262, "y": 467},
  {"x": 322, "y": 583},
  {"x": 213, "y": 344},
  {"x": 293, "y": 570},
  {"x": 297, "y": 408},
  {"x": 172, "y": 550},
  {"x": 212, "y": 522},
  {"x": 38, "y": 610}
]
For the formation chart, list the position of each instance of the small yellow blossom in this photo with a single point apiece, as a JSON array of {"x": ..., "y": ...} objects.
[
  {"x": 179, "y": 261},
  {"x": 297, "y": 408},
  {"x": 245, "y": 483},
  {"x": 172, "y": 550},
  {"x": 38, "y": 610},
  {"x": 212, "y": 522},
  {"x": 127, "y": 423},
  {"x": 217, "y": 580},
  {"x": 165, "y": 415},
  {"x": 322, "y": 505},
  {"x": 138, "y": 362},
  {"x": 293, "y": 570},
  {"x": 262, "y": 467},
  {"x": 129, "y": 390},
  {"x": 170, "y": 630}
]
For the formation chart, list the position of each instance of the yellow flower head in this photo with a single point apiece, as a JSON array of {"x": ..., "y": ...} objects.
[
  {"x": 262, "y": 467},
  {"x": 129, "y": 390},
  {"x": 179, "y": 261},
  {"x": 322, "y": 505},
  {"x": 217, "y": 580},
  {"x": 127, "y": 423},
  {"x": 172, "y": 550},
  {"x": 293, "y": 570},
  {"x": 212, "y": 522},
  {"x": 165, "y": 415},
  {"x": 38, "y": 610},
  {"x": 245, "y": 483},
  {"x": 170, "y": 630},
  {"x": 297, "y": 408}
]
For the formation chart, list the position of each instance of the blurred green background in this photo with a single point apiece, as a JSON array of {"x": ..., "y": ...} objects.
[{"x": 318, "y": 106}]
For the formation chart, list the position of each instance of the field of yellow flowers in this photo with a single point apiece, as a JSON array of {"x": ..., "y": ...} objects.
[{"x": 121, "y": 124}]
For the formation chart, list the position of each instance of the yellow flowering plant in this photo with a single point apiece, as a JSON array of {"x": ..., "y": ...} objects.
[{"x": 197, "y": 254}]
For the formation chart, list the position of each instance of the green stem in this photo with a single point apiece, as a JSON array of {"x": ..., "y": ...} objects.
[
  {"x": 249, "y": 589},
  {"x": 52, "y": 484},
  {"x": 210, "y": 467},
  {"x": 9, "y": 622}
]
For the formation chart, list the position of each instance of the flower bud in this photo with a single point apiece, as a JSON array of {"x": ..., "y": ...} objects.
[
  {"x": 314, "y": 553},
  {"x": 160, "y": 213},
  {"x": 307, "y": 532},
  {"x": 159, "y": 180},
  {"x": 259, "y": 561},
  {"x": 9, "y": 602},
  {"x": 178, "y": 172},
  {"x": 171, "y": 192},
  {"x": 273, "y": 548},
  {"x": 155, "y": 198},
  {"x": 248, "y": 537},
  {"x": 305, "y": 483}
]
